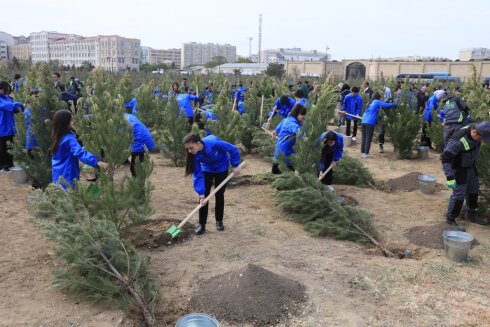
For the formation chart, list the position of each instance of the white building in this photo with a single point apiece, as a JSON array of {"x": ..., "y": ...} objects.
[
  {"x": 293, "y": 54},
  {"x": 201, "y": 53},
  {"x": 171, "y": 57},
  {"x": 74, "y": 50},
  {"x": 6, "y": 40},
  {"x": 474, "y": 54},
  {"x": 39, "y": 44},
  {"x": 243, "y": 68}
]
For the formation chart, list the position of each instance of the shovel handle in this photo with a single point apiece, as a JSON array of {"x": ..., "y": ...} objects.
[
  {"x": 210, "y": 195},
  {"x": 320, "y": 177},
  {"x": 269, "y": 132},
  {"x": 348, "y": 114}
]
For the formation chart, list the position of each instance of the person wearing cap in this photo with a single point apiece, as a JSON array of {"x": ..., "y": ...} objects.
[
  {"x": 459, "y": 164},
  {"x": 456, "y": 114}
]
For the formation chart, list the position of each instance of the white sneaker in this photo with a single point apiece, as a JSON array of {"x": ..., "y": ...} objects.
[
  {"x": 353, "y": 139},
  {"x": 5, "y": 171},
  {"x": 367, "y": 156},
  {"x": 330, "y": 188},
  {"x": 381, "y": 150},
  {"x": 363, "y": 155}
]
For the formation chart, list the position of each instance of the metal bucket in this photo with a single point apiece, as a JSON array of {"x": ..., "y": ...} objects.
[
  {"x": 427, "y": 184},
  {"x": 197, "y": 320},
  {"x": 18, "y": 175},
  {"x": 423, "y": 152},
  {"x": 342, "y": 129},
  {"x": 457, "y": 245},
  {"x": 347, "y": 140}
]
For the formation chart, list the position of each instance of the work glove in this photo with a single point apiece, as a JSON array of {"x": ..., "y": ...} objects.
[{"x": 451, "y": 184}]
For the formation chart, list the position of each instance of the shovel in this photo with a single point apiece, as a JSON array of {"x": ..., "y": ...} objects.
[
  {"x": 174, "y": 231},
  {"x": 348, "y": 114},
  {"x": 321, "y": 175}
]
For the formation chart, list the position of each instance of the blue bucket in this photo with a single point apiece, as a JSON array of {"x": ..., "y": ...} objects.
[{"x": 197, "y": 320}]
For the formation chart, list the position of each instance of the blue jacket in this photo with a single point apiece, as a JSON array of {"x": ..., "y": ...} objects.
[
  {"x": 215, "y": 157},
  {"x": 303, "y": 102},
  {"x": 65, "y": 160},
  {"x": 132, "y": 104},
  {"x": 432, "y": 104},
  {"x": 287, "y": 130},
  {"x": 7, "y": 109},
  {"x": 241, "y": 107},
  {"x": 141, "y": 135},
  {"x": 284, "y": 109},
  {"x": 184, "y": 102},
  {"x": 370, "y": 116},
  {"x": 240, "y": 94},
  {"x": 352, "y": 105},
  {"x": 209, "y": 96},
  {"x": 30, "y": 139},
  {"x": 337, "y": 148}
]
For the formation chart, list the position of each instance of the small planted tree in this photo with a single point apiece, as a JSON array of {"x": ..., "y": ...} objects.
[
  {"x": 171, "y": 132},
  {"x": 402, "y": 128},
  {"x": 148, "y": 105}
]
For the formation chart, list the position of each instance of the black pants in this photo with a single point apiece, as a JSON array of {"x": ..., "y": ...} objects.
[
  {"x": 6, "y": 159},
  {"x": 328, "y": 178},
  {"x": 219, "y": 206},
  {"x": 367, "y": 137},
  {"x": 141, "y": 156},
  {"x": 381, "y": 133},
  {"x": 354, "y": 130},
  {"x": 425, "y": 139}
]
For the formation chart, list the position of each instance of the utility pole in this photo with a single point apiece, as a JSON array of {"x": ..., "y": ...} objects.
[
  {"x": 260, "y": 38},
  {"x": 250, "y": 47}
]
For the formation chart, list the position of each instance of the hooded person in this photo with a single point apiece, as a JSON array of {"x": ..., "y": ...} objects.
[
  {"x": 142, "y": 139},
  {"x": 431, "y": 107},
  {"x": 133, "y": 105},
  {"x": 456, "y": 115}
]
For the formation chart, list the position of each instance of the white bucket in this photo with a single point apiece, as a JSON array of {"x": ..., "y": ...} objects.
[
  {"x": 197, "y": 320},
  {"x": 347, "y": 140},
  {"x": 427, "y": 184},
  {"x": 457, "y": 245},
  {"x": 18, "y": 175}
]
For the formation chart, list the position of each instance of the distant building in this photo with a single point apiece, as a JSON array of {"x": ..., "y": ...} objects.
[
  {"x": 242, "y": 68},
  {"x": 474, "y": 54},
  {"x": 19, "y": 51},
  {"x": 201, "y": 53},
  {"x": 171, "y": 57},
  {"x": 6, "y": 40},
  {"x": 282, "y": 55},
  {"x": 414, "y": 58},
  {"x": 112, "y": 52}
]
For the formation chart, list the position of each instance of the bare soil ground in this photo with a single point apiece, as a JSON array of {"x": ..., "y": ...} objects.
[{"x": 347, "y": 284}]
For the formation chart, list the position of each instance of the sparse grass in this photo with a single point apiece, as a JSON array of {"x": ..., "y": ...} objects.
[{"x": 258, "y": 229}]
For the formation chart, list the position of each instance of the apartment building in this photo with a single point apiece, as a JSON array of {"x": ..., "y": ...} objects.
[
  {"x": 6, "y": 40},
  {"x": 40, "y": 44},
  {"x": 474, "y": 54},
  {"x": 117, "y": 53},
  {"x": 152, "y": 56},
  {"x": 19, "y": 51},
  {"x": 282, "y": 55},
  {"x": 74, "y": 50},
  {"x": 201, "y": 53}
]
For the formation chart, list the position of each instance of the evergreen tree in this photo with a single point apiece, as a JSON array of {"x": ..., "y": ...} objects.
[
  {"x": 148, "y": 105},
  {"x": 171, "y": 133},
  {"x": 124, "y": 89},
  {"x": 227, "y": 126},
  {"x": 402, "y": 128}
]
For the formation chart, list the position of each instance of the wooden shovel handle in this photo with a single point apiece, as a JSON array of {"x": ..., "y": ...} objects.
[
  {"x": 210, "y": 195},
  {"x": 321, "y": 175},
  {"x": 348, "y": 114}
]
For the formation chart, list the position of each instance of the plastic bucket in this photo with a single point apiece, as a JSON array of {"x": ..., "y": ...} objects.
[
  {"x": 427, "y": 184},
  {"x": 457, "y": 245},
  {"x": 342, "y": 129},
  {"x": 423, "y": 152},
  {"x": 18, "y": 175},
  {"x": 347, "y": 140},
  {"x": 197, "y": 320}
]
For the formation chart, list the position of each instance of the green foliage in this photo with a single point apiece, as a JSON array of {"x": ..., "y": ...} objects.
[
  {"x": 309, "y": 202},
  {"x": 483, "y": 166},
  {"x": 216, "y": 61},
  {"x": 275, "y": 70},
  {"x": 477, "y": 98},
  {"x": 124, "y": 89},
  {"x": 227, "y": 126},
  {"x": 148, "y": 105},
  {"x": 402, "y": 128},
  {"x": 350, "y": 171},
  {"x": 434, "y": 131},
  {"x": 170, "y": 134},
  {"x": 263, "y": 144}
]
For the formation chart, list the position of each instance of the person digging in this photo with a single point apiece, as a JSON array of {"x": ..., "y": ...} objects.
[{"x": 459, "y": 164}]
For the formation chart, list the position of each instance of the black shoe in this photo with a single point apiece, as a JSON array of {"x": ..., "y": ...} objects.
[
  {"x": 455, "y": 225},
  {"x": 219, "y": 226},
  {"x": 200, "y": 229},
  {"x": 474, "y": 218}
]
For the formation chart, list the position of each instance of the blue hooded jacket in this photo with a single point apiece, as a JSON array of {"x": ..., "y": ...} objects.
[
  {"x": 141, "y": 135},
  {"x": 30, "y": 139},
  {"x": 240, "y": 94},
  {"x": 132, "y": 104},
  {"x": 432, "y": 104},
  {"x": 337, "y": 148},
  {"x": 284, "y": 109},
  {"x": 184, "y": 102},
  {"x": 7, "y": 109},
  {"x": 352, "y": 105},
  {"x": 215, "y": 157},
  {"x": 370, "y": 116},
  {"x": 65, "y": 160},
  {"x": 286, "y": 139}
]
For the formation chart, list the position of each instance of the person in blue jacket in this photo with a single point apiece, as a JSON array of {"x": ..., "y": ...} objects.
[
  {"x": 300, "y": 98},
  {"x": 286, "y": 132},
  {"x": 352, "y": 105},
  {"x": 331, "y": 152},
  {"x": 431, "y": 107},
  {"x": 141, "y": 139},
  {"x": 370, "y": 120},
  {"x": 8, "y": 107},
  {"x": 133, "y": 105},
  {"x": 30, "y": 139},
  {"x": 67, "y": 151},
  {"x": 208, "y": 160},
  {"x": 202, "y": 116},
  {"x": 239, "y": 99},
  {"x": 184, "y": 102},
  {"x": 282, "y": 106}
]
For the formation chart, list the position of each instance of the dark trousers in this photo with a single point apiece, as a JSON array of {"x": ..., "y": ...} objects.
[
  {"x": 354, "y": 129},
  {"x": 327, "y": 161},
  {"x": 219, "y": 206},
  {"x": 425, "y": 139},
  {"x": 367, "y": 137},
  {"x": 6, "y": 159},
  {"x": 141, "y": 156},
  {"x": 381, "y": 133}
]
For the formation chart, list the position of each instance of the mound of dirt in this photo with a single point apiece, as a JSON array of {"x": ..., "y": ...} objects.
[
  {"x": 242, "y": 180},
  {"x": 154, "y": 233},
  {"x": 428, "y": 236},
  {"x": 251, "y": 295},
  {"x": 408, "y": 182}
]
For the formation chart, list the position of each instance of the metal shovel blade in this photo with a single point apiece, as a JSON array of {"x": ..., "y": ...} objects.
[{"x": 173, "y": 231}]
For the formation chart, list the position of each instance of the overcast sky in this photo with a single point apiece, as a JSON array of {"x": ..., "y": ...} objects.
[{"x": 352, "y": 29}]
